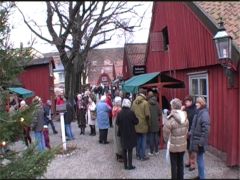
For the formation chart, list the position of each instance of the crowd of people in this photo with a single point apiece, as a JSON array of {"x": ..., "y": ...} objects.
[
  {"x": 41, "y": 118},
  {"x": 185, "y": 128},
  {"x": 136, "y": 122}
]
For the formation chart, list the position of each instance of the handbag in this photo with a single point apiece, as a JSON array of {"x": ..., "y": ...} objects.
[
  {"x": 167, "y": 152},
  {"x": 93, "y": 114}
]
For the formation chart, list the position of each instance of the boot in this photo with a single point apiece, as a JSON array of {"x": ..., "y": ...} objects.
[
  {"x": 94, "y": 130},
  {"x": 91, "y": 130},
  {"x": 130, "y": 166},
  {"x": 83, "y": 131},
  {"x": 125, "y": 159}
]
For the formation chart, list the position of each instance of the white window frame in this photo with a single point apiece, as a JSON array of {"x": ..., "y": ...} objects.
[
  {"x": 63, "y": 77},
  {"x": 198, "y": 76},
  {"x": 50, "y": 70}
]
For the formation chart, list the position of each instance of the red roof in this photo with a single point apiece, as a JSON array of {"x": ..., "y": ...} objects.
[
  {"x": 135, "y": 53},
  {"x": 230, "y": 13}
]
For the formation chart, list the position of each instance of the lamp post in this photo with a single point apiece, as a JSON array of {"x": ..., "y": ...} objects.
[{"x": 223, "y": 43}]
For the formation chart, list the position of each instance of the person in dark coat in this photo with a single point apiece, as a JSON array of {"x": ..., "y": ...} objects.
[
  {"x": 37, "y": 123},
  {"x": 68, "y": 118},
  {"x": 81, "y": 109},
  {"x": 199, "y": 134},
  {"x": 48, "y": 116},
  {"x": 126, "y": 121},
  {"x": 191, "y": 110},
  {"x": 154, "y": 123}
]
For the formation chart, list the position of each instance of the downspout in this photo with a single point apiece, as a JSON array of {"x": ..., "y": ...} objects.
[{"x": 239, "y": 113}]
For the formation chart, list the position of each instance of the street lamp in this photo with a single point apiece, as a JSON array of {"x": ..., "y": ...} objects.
[{"x": 223, "y": 43}]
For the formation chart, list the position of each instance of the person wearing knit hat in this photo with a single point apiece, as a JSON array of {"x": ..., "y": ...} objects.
[
  {"x": 154, "y": 129},
  {"x": 126, "y": 103},
  {"x": 103, "y": 119},
  {"x": 26, "y": 128},
  {"x": 126, "y": 121},
  {"x": 199, "y": 134},
  {"x": 37, "y": 124},
  {"x": 116, "y": 139},
  {"x": 22, "y": 103},
  {"x": 175, "y": 132}
]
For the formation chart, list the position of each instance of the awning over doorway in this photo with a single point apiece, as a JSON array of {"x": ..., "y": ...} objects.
[
  {"x": 24, "y": 93},
  {"x": 151, "y": 79}
]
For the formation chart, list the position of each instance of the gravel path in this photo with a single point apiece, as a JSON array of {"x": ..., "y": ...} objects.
[{"x": 97, "y": 161}]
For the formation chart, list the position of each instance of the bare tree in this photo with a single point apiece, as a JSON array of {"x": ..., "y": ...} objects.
[{"x": 77, "y": 27}]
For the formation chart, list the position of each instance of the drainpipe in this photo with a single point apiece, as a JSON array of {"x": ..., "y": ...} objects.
[{"x": 239, "y": 112}]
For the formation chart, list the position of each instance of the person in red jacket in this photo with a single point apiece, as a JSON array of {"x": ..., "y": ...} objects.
[
  {"x": 59, "y": 100},
  {"x": 109, "y": 102}
]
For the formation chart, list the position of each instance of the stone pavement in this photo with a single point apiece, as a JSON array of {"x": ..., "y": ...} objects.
[{"x": 97, "y": 161}]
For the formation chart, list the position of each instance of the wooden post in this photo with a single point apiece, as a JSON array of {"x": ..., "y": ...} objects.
[
  {"x": 161, "y": 124},
  {"x": 160, "y": 104},
  {"x": 63, "y": 131}
]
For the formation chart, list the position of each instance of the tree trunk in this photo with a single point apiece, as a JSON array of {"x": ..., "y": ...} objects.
[
  {"x": 78, "y": 82},
  {"x": 70, "y": 82},
  {"x": 84, "y": 76}
]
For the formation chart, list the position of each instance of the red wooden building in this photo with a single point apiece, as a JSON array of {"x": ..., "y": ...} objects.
[
  {"x": 181, "y": 45},
  {"x": 38, "y": 77},
  {"x": 134, "y": 54}
]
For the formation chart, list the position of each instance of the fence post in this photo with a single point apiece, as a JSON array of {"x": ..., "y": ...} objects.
[{"x": 63, "y": 131}]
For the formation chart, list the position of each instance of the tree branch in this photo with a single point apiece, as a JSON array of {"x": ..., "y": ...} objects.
[
  {"x": 28, "y": 25},
  {"x": 72, "y": 15}
]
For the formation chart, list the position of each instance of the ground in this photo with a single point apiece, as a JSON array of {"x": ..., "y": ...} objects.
[{"x": 94, "y": 160}]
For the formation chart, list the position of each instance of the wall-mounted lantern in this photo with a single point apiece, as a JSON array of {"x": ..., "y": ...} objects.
[{"x": 223, "y": 43}]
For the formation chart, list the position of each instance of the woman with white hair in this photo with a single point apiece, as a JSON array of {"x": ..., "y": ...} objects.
[
  {"x": 91, "y": 115},
  {"x": 175, "y": 131},
  {"x": 26, "y": 128},
  {"x": 103, "y": 119},
  {"x": 116, "y": 139},
  {"x": 126, "y": 121}
]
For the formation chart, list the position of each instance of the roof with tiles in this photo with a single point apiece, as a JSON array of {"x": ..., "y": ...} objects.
[
  {"x": 135, "y": 53},
  {"x": 230, "y": 13},
  {"x": 39, "y": 61}
]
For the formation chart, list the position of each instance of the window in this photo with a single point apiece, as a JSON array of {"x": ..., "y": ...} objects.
[
  {"x": 165, "y": 38},
  {"x": 94, "y": 63},
  {"x": 156, "y": 41},
  {"x": 198, "y": 86},
  {"x": 61, "y": 77},
  {"x": 51, "y": 69}
]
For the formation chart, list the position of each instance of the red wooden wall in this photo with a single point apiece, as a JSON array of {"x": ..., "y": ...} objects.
[
  {"x": 190, "y": 42},
  {"x": 191, "y": 49},
  {"x": 38, "y": 79}
]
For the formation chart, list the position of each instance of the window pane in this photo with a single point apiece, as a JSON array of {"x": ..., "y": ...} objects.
[
  {"x": 194, "y": 99},
  {"x": 203, "y": 87},
  {"x": 194, "y": 87}
]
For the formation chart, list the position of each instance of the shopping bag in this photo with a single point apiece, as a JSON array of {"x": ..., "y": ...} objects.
[{"x": 167, "y": 153}]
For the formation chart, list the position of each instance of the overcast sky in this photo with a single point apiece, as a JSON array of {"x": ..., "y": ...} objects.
[{"x": 36, "y": 10}]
